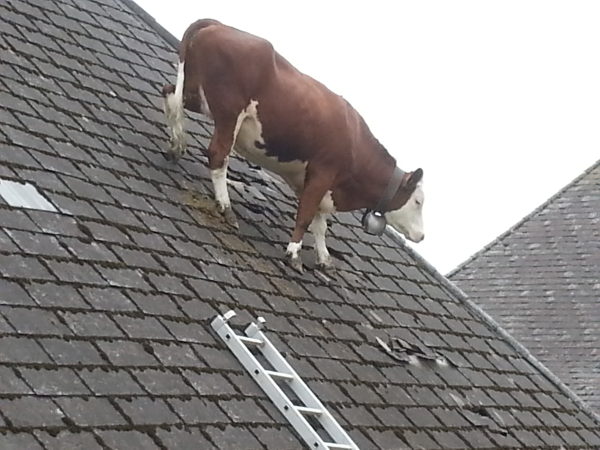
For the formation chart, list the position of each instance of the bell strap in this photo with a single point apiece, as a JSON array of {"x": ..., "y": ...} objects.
[{"x": 390, "y": 190}]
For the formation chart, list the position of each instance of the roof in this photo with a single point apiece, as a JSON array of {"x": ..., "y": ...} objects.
[
  {"x": 541, "y": 281},
  {"x": 105, "y": 305}
]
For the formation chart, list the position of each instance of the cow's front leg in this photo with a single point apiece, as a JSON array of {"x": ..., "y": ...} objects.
[
  {"x": 318, "y": 228},
  {"x": 218, "y": 161},
  {"x": 316, "y": 185}
]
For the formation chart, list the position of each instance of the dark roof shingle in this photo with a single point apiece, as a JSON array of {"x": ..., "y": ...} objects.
[
  {"x": 105, "y": 335},
  {"x": 541, "y": 281}
]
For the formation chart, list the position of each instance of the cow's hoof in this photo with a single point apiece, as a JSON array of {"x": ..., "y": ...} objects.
[
  {"x": 168, "y": 89},
  {"x": 230, "y": 217},
  {"x": 326, "y": 266},
  {"x": 172, "y": 157},
  {"x": 324, "y": 263},
  {"x": 295, "y": 263},
  {"x": 177, "y": 149}
]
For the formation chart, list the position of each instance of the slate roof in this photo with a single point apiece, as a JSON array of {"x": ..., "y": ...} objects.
[
  {"x": 541, "y": 281},
  {"x": 105, "y": 305}
]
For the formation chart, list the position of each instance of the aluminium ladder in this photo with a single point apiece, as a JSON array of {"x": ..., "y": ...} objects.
[{"x": 297, "y": 415}]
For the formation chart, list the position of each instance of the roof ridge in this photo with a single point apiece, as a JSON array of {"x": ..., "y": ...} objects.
[
  {"x": 152, "y": 22},
  {"x": 486, "y": 318},
  {"x": 522, "y": 221}
]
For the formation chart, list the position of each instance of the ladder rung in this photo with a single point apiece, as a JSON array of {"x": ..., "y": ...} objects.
[
  {"x": 333, "y": 446},
  {"x": 273, "y": 374},
  {"x": 309, "y": 411},
  {"x": 269, "y": 368},
  {"x": 249, "y": 340}
]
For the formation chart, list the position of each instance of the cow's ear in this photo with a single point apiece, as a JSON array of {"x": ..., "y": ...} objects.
[{"x": 415, "y": 177}]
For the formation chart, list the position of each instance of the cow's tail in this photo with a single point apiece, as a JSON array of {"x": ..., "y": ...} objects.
[
  {"x": 173, "y": 95},
  {"x": 173, "y": 106}
]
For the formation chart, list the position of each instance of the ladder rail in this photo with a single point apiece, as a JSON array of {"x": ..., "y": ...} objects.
[
  {"x": 267, "y": 380},
  {"x": 275, "y": 393},
  {"x": 300, "y": 388}
]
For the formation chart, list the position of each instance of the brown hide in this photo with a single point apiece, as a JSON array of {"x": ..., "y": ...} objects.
[{"x": 302, "y": 120}]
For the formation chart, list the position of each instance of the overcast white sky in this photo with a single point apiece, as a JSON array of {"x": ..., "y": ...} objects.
[{"x": 498, "y": 101}]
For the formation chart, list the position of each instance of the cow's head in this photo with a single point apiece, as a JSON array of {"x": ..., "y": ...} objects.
[{"x": 408, "y": 218}]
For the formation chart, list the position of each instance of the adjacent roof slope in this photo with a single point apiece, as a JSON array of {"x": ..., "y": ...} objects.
[
  {"x": 541, "y": 280},
  {"x": 105, "y": 305}
]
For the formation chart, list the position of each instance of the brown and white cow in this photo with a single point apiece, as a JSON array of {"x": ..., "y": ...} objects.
[{"x": 285, "y": 121}]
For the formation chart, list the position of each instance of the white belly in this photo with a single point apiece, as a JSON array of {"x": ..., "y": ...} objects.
[
  {"x": 327, "y": 206},
  {"x": 249, "y": 134}
]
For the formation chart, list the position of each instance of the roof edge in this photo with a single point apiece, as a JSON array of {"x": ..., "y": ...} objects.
[
  {"x": 521, "y": 221},
  {"x": 151, "y": 22},
  {"x": 455, "y": 290}
]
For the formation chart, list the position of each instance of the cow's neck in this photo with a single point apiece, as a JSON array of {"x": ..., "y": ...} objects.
[{"x": 366, "y": 186}]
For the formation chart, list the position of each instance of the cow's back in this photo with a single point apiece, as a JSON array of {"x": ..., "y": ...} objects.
[
  {"x": 301, "y": 120},
  {"x": 230, "y": 60}
]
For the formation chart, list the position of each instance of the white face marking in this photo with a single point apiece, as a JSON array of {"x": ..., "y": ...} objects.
[
  {"x": 250, "y": 133},
  {"x": 293, "y": 249},
  {"x": 408, "y": 220},
  {"x": 173, "y": 106},
  {"x": 219, "y": 179},
  {"x": 318, "y": 228}
]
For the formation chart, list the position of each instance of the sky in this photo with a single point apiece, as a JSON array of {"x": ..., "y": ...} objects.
[{"x": 497, "y": 101}]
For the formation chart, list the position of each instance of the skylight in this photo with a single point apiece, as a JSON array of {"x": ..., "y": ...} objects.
[{"x": 24, "y": 195}]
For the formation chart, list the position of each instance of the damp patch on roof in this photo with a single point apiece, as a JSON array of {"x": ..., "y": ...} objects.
[{"x": 24, "y": 195}]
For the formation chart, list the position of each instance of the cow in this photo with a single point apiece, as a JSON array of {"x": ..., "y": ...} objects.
[{"x": 267, "y": 111}]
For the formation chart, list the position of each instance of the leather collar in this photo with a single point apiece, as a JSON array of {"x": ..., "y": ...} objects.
[{"x": 390, "y": 191}]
